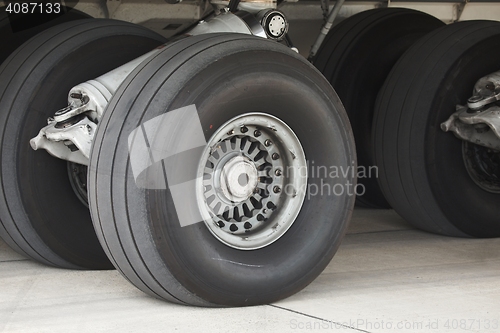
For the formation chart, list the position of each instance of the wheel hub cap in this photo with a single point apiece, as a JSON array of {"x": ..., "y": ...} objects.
[{"x": 239, "y": 179}]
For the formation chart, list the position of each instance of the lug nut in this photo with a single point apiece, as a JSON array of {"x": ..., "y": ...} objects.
[
  {"x": 278, "y": 172},
  {"x": 257, "y": 133},
  {"x": 268, "y": 143},
  {"x": 220, "y": 224},
  {"x": 244, "y": 129},
  {"x": 275, "y": 156},
  {"x": 277, "y": 189}
]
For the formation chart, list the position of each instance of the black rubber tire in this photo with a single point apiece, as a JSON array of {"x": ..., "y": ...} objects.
[
  {"x": 41, "y": 217},
  {"x": 422, "y": 172},
  {"x": 15, "y": 29},
  {"x": 356, "y": 57},
  {"x": 224, "y": 75}
]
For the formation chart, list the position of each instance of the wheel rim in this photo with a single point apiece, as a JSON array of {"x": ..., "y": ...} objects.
[
  {"x": 251, "y": 181},
  {"x": 78, "y": 179},
  {"x": 483, "y": 166}
]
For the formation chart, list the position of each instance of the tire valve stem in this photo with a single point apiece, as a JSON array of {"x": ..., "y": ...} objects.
[{"x": 231, "y": 132}]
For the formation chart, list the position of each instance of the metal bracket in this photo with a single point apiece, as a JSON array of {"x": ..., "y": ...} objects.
[
  {"x": 476, "y": 122},
  {"x": 71, "y": 141},
  {"x": 486, "y": 91},
  {"x": 481, "y": 128},
  {"x": 459, "y": 9},
  {"x": 69, "y": 134}
]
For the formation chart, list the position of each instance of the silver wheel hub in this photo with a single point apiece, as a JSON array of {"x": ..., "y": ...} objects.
[
  {"x": 239, "y": 179},
  {"x": 251, "y": 181}
]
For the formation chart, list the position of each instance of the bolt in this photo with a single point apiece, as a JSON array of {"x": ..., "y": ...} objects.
[
  {"x": 268, "y": 143},
  {"x": 264, "y": 211},
  {"x": 278, "y": 172},
  {"x": 277, "y": 189},
  {"x": 490, "y": 86},
  {"x": 275, "y": 156},
  {"x": 244, "y": 129},
  {"x": 257, "y": 133}
]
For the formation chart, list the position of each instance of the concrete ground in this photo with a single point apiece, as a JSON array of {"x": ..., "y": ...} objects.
[{"x": 386, "y": 277}]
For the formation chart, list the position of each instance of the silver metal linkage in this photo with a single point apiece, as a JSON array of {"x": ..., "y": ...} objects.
[
  {"x": 70, "y": 132},
  {"x": 479, "y": 121},
  {"x": 326, "y": 28}
]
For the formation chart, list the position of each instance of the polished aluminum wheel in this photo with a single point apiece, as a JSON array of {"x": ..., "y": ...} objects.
[{"x": 252, "y": 181}]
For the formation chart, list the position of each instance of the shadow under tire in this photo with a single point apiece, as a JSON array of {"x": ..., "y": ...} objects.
[
  {"x": 41, "y": 217},
  {"x": 224, "y": 76},
  {"x": 422, "y": 169},
  {"x": 356, "y": 57}
]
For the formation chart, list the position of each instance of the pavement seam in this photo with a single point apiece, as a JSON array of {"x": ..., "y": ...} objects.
[
  {"x": 318, "y": 318},
  {"x": 14, "y": 260}
]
